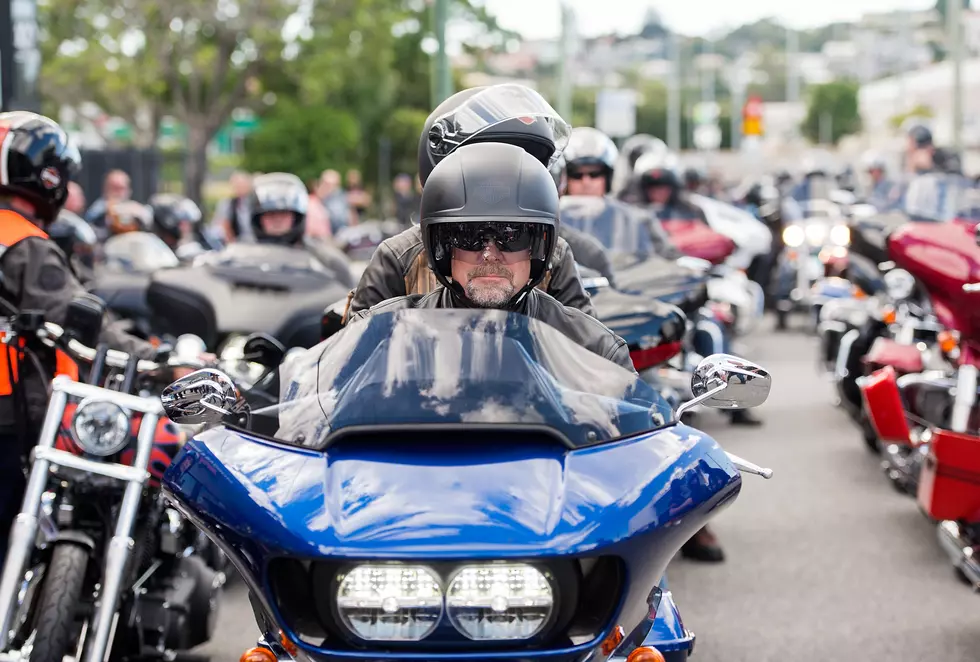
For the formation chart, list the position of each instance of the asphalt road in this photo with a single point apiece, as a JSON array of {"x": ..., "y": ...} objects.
[{"x": 825, "y": 561}]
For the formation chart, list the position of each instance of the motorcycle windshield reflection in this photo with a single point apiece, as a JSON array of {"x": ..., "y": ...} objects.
[
  {"x": 141, "y": 252},
  {"x": 458, "y": 367},
  {"x": 938, "y": 197},
  {"x": 621, "y": 229}
]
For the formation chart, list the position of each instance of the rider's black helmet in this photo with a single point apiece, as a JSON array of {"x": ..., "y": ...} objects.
[
  {"x": 170, "y": 210},
  {"x": 591, "y": 147},
  {"x": 489, "y": 190},
  {"x": 921, "y": 136},
  {"x": 279, "y": 191},
  {"x": 37, "y": 160},
  {"x": 510, "y": 113},
  {"x": 694, "y": 177}
]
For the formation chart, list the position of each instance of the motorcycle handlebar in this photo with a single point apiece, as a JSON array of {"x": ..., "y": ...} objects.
[{"x": 53, "y": 335}]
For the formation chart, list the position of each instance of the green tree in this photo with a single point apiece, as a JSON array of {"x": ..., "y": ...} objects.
[
  {"x": 303, "y": 140},
  {"x": 195, "y": 59},
  {"x": 836, "y": 102}
]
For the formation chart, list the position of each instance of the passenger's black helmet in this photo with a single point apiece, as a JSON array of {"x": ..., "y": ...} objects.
[
  {"x": 921, "y": 135},
  {"x": 170, "y": 210},
  {"x": 510, "y": 113},
  {"x": 279, "y": 191},
  {"x": 489, "y": 189}
]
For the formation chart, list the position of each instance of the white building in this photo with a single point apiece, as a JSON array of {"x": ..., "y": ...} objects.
[{"x": 930, "y": 87}]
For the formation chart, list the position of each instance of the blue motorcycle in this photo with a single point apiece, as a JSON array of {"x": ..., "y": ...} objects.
[{"x": 456, "y": 485}]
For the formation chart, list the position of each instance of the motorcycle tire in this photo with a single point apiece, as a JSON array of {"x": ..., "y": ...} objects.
[
  {"x": 869, "y": 435},
  {"x": 54, "y": 621}
]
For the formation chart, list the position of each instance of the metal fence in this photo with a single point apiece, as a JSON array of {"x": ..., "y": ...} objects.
[{"x": 150, "y": 170}]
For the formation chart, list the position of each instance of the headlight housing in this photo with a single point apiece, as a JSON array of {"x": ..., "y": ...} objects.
[
  {"x": 793, "y": 236},
  {"x": 840, "y": 235},
  {"x": 816, "y": 233},
  {"x": 100, "y": 427},
  {"x": 390, "y": 602},
  {"x": 499, "y": 602}
]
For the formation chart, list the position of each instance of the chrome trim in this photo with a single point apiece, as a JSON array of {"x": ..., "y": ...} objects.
[
  {"x": 966, "y": 396},
  {"x": 66, "y": 459},
  {"x": 120, "y": 546},
  {"x": 960, "y": 551},
  {"x": 844, "y": 353}
]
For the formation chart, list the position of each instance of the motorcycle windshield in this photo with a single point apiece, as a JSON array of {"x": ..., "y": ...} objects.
[
  {"x": 142, "y": 252},
  {"x": 937, "y": 197},
  {"x": 621, "y": 229},
  {"x": 463, "y": 368}
]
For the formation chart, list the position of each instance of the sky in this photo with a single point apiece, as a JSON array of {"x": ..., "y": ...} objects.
[{"x": 540, "y": 19}]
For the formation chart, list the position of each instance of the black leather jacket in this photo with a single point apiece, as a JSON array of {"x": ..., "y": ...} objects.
[
  {"x": 583, "y": 329},
  {"x": 400, "y": 260}
]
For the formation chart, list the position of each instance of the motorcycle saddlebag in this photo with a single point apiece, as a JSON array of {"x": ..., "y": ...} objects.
[
  {"x": 883, "y": 404},
  {"x": 904, "y": 359},
  {"x": 949, "y": 485}
]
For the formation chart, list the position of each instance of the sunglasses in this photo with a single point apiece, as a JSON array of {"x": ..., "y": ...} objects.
[
  {"x": 586, "y": 174},
  {"x": 507, "y": 237}
]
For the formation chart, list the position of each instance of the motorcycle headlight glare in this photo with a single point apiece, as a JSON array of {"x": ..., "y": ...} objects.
[
  {"x": 840, "y": 235},
  {"x": 499, "y": 602},
  {"x": 793, "y": 236},
  {"x": 100, "y": 427},
  {"x": 390, "y": 602},
  {"x": 816, "y": 234}
]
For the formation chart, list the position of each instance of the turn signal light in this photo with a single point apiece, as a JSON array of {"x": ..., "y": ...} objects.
[
  {"x": 612, "y": 642},
  {"x": 947, "y": 341},
  {"x": 858, "y": 293},
  {"x": 265, "y": 655},
  {"x": 646, "y": 654},
  {"x": 888, "y": 315},
  {"x": 287, "y": 644}
]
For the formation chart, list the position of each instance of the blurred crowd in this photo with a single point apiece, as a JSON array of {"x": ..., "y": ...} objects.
[{"x": 334, "y": 203}]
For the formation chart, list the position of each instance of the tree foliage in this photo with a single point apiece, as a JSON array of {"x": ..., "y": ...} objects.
[
  {"x": 837, "y": 101},
  {"x": 195, "y": 59}
]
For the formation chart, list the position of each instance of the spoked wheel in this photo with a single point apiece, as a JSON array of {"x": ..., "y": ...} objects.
[{"x": 54, "y": 627}]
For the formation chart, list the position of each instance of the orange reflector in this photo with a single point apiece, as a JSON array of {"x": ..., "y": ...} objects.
[
  {"x": 947, "y": 341},
  {"x": 259, "y": 655},
  {"x": 858, "y": 293},
  {"x": 792, "y": 255},
  {"x": 612, "y": 642},
  {"x": 287, "y": 644},
  {"x": 888, "y": 315},
  {"x": 646, "y": 654}
]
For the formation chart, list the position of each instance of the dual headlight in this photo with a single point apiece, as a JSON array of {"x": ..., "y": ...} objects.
[
  {"x": 816, "y": 234},
  {"x": 100, "y": 427},
  {"x": 488, "y": 602}
]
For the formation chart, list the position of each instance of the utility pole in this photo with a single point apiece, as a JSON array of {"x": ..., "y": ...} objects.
[
  {"x": 565, "y": 54},
  {"x": 954, "y": 32},
  {"x": 792, "y": 74},
  {"x": 674, "y": 95},
  {"x": 442, "y": 80}
]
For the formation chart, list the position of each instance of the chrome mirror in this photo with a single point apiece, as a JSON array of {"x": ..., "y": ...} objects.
[
  {"x": 728, "y": 382},
  {"x": 204, "y": 396}
]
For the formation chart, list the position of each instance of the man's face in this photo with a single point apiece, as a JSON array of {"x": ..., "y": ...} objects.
[
  {"x": 329, "y": 182},
  {"x": 587, "y": 180},
  {"x": 75, "y": 202},
  {"x": 659, "y": 194},
  {"x": 241, "y": 185},
  {"x": 403, "y": 185},
  {"x": 277, "y": 223},
  {"x": 117, "y": 187},
  {"x": 491, "y": 277},
  {"x": 877, "y": 174}
]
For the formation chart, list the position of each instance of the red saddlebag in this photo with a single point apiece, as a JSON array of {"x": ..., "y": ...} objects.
[
  {"x": 883, "y": 404},
  {"x": 949, "y": 485}
]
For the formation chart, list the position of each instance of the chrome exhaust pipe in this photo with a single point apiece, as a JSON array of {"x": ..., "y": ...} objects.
[{"x": 960, "y": 552}]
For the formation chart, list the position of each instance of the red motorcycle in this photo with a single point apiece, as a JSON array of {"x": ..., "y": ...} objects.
[{"x": 943, "y": 442}]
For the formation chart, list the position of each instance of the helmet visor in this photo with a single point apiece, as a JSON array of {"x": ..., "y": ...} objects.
[{"x": 491, "y": 107}]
